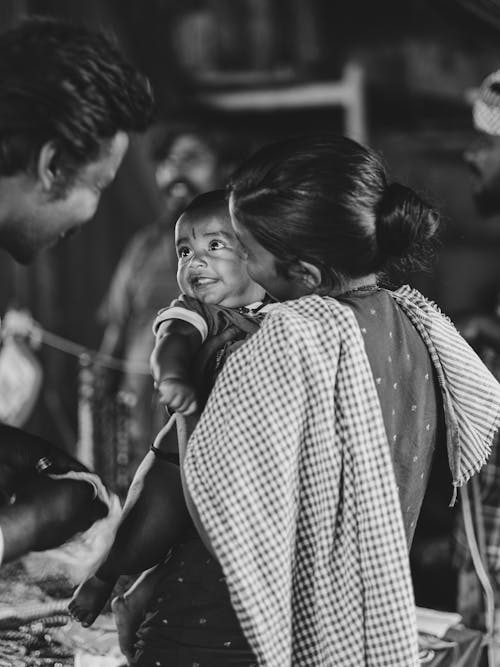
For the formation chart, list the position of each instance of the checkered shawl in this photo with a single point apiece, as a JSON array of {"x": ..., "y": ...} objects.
[
  {"x": 471, "y": 394},
  {"x": 290, "y": 471}
]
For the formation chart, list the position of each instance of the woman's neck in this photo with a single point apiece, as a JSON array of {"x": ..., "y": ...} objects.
[{"x": 351, "y": 284}]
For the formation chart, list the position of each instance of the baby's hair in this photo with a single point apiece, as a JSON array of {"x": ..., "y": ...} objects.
[
  {"x": 326, "y": 200},
  {"x": 210, "y": 203}
]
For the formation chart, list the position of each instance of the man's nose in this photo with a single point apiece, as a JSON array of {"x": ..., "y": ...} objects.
[{"x": 166, "y": 173}]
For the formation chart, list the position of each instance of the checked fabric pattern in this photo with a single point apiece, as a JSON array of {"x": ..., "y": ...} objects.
[
  {"x": 471, "y": 394},
  {"x": 291, "y": 474}
]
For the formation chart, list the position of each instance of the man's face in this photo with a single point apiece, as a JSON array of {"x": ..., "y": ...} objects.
[
  {"x": 38, "y": 219},
  {"x": 189, "y": 170},
  {"x": 483, "y": 159}
]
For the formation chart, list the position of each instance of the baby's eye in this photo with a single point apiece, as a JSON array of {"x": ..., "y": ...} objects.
[
  {"x": 183, "y": 251},
  {"x": 215, "y": 245}
]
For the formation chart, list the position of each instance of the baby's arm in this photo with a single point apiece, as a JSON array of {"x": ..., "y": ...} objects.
[{"x": 171, "y": 361}]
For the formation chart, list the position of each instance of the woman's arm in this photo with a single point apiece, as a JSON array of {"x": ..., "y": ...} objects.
[{"x": 185, "y": 426}]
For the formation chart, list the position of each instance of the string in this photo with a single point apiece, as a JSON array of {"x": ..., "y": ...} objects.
[
  {"x": 98, "y": 358},
  {"x": 36, "y": 334}
]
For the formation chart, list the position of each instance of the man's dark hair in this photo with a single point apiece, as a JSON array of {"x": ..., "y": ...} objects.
[
  {"x": 165, "y": 135},
  {"x": 228, "y": 147},
  {"x": 64, "y": 83}
]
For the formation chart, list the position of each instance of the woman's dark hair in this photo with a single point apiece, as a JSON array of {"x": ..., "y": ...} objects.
[
  {"x": 326, "y": 200},
  {"x": 64, "y": 83}
]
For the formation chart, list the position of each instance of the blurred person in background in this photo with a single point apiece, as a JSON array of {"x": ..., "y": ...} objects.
[
  {"x": 482, "y": 330},
  {"x": 188, "y": 160},
  {"x": 68, "y": 102}
]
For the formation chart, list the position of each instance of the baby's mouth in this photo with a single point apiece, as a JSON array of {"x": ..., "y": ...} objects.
[{"x": 202, "y": 281}]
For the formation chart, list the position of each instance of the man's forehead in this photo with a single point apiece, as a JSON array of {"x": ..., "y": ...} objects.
[{"x": 187, "y": 143}]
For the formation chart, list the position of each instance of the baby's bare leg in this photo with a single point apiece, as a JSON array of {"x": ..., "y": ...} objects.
[
  {"x": 89, "y": 599},
  {"x": 154, "y": 517}
]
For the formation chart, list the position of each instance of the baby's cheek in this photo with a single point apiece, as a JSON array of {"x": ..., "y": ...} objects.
[{"x": 182, "y": 282}]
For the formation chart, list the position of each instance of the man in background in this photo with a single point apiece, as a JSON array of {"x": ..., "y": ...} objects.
[
  {"x": 68, "y": 102},
  {"x": 482, "y": 330},
  {"x": 188, "y": 160}
]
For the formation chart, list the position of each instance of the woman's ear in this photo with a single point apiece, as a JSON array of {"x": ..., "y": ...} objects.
[
  {"x": 47, "y": 166},
  {"x": 306, "y": 274}
]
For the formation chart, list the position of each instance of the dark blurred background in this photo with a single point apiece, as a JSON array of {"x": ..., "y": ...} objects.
[{"x": 393, "y": 73}]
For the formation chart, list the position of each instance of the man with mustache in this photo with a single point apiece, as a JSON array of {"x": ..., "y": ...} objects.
[
  {"x": 68, "y": 103},
  {"x": 188, "y": 161},
  {"x": 483, "y": 332}
]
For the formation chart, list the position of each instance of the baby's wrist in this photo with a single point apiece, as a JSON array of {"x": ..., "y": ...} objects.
[{"x": 167, "y": 379}]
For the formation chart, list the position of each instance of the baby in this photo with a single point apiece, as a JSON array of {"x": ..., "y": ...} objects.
[
  {"x": 219, "y": 308},
  {"x": 218, "y": 296}
]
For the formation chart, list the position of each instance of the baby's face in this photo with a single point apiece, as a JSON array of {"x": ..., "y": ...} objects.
[{"x": 211, "y": 262}]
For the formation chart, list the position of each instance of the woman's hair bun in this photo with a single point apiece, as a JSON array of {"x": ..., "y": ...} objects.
[{"x": 407, "y": 228}]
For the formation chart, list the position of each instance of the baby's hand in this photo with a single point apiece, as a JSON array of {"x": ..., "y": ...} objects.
[{"x": 177, "y": 395}]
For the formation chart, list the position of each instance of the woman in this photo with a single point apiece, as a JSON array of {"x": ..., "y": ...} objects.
[{"x": 306, "y": 472}]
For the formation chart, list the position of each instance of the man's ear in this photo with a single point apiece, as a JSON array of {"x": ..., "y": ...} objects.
[
  {"x": 47, "y": 166},
  {"x": 305, "y": 273}
]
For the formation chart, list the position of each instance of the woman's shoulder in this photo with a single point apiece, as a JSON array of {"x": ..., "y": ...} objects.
[
  {"x": 307, "y": 315},
  {"x": 312, "y": 307},
  {"x": 307, "y": 308}
]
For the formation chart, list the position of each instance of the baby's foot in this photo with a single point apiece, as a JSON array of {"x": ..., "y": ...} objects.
[
  {"x": 127, "y": 618},
  {"x": 89, "y": 599}
]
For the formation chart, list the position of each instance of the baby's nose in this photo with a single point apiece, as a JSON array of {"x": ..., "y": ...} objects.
[{"x": 198, "y": 258}]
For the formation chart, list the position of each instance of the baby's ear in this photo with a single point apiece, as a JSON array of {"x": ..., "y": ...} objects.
[{"x": 305, "y": 273}]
